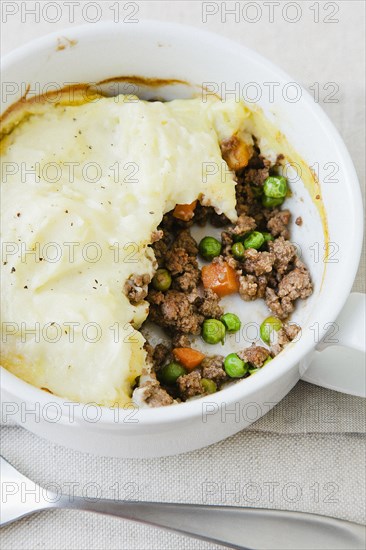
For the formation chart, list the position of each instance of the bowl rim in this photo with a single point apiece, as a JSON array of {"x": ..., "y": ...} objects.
[{"x": 294, "y": 353}]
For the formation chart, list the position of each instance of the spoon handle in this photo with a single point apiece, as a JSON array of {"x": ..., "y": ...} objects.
[{"x": 234, "y": 527}]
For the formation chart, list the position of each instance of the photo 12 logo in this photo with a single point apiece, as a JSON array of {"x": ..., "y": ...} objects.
[
  {"x": 71, "y": 172},
  {"x": 29, "y": 492},
  {"x": 270, "y": 12},
  {"x": 69, "y": 11},
  {"x": 67, "y": 412},
  {"x": 69, "y": 91},
  {"x": 253, "y": 92},
  {"x": 252, "y": 492},
  {"x": 70, "y": 252}
]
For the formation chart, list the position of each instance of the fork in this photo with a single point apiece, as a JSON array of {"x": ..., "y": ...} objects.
[{"x": 234, "y": 527}]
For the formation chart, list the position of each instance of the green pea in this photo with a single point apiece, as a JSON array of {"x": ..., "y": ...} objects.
[
  {"x": 213, "y": 331},
  {"x": 209, "y": 248},
  {"x": 162, "y": 280},
  {"x": 208, "y": 385},
  {"x": 267, "y": 237},
  {"x": 275, "y": 187},
  {"x": 170, "y": 373},
  {"x": 269, "y": 202},
  {"x": 254, "y": 240},
  {"x": 234, "y": 366},
  {"x": 231, "y": 321},
  {"x": 238, "y": 250},
  {"x": 267, "y": 360},
  {"x": 268, "y": 326}
]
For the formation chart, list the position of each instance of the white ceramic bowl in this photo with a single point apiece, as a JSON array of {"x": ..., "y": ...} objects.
[{"x": 164, "y": 50}]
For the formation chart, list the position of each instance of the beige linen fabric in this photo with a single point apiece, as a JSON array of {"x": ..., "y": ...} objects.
[
  {"x": 320, "y": 473},
  {"x": 308, "y": 453}
]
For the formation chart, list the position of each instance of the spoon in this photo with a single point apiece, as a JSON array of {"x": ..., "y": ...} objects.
[{"x": 231, "y": 526}]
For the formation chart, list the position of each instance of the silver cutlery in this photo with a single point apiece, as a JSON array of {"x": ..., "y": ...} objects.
[{"x": 234, "y": 527}]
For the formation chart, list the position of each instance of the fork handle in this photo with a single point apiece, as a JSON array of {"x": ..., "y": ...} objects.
[{"x": 234, "y": 527}]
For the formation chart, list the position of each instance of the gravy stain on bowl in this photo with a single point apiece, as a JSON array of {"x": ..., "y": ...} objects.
[{"x": 63, "y": 43}]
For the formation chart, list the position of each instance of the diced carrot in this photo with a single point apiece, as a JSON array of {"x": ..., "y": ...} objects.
[
  {"x": 184, "y": 212},
  {"x": 221, "y": 278},
  {"x": 236, "y": 153},
  {"x": 188, "y": 357}
]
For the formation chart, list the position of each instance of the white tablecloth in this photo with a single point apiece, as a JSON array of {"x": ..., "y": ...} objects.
[{"x": 308, "y": 454}]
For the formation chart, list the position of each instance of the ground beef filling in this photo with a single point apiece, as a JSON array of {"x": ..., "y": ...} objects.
[
  {"x": 136, "y": 287},
  {"x": 274, "y": 273}
]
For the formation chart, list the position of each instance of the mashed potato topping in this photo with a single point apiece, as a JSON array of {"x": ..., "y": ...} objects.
[{"x": 83, "y": 189}]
